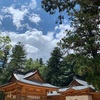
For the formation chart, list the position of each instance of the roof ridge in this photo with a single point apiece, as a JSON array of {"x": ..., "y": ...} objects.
[
  {"x": 29, "y": 74},
  {"x": 80, "y": 80}
]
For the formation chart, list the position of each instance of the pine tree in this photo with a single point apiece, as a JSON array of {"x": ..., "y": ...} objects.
[
  {"x": 53, "y": 67},
  {"x": 41, "y": 61},
  {"x": 18, "y": 57}
]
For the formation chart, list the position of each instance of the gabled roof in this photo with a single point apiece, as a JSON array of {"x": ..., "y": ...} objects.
[
  {"x": 74, "y": 88},
  {"x": 84, "y": 83},
  {"x": 26, "y": 78},
  {"x": 33, "y": 76},
  {"x": 78, "y": 82},
  {"x": 76, "y": 85}
]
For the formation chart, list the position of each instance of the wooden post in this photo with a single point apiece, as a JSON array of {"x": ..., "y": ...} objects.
[{"x": 26, "y": 94}]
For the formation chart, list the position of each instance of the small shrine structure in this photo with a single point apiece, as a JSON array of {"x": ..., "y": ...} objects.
[
  {"x": 27, "y": 86},
  {"x": 76, "y": 90}
]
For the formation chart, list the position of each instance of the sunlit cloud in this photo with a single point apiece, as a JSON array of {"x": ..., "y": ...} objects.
[
  {"x": 18, "y": 14},
  {"x": 1, "y": 18},
  {"x": 61, "y": 28},
  {"x": 34, "y": 18},
  {"x": 36, "y": 43}
]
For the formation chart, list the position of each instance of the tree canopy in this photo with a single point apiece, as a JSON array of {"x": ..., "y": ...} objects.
[
  {"x": 84, "y": 38},
  {"x": 5, "y": 47},
  {"x": 53, "y": 67},
  {"x": 4, "y": 50},
  {"x": 18, "y": 57}
]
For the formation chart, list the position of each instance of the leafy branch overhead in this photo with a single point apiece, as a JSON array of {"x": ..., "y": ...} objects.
[
  {"x": 4, "y": 49},
  {"x": 84, "y": 38}
]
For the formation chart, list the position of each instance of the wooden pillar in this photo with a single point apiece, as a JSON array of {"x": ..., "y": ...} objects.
[
  {"x": 41, "y": 95},
  {"x": 11, "y": 97},
  {"x": 17, "y": 94},
  {"x": 26, "y": 94}
]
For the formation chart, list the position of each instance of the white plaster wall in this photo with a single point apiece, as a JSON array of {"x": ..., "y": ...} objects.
[{"x": 83, "y": 97}]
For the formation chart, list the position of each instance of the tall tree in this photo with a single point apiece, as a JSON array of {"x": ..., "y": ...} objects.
[
  {"x": 18, "y": 57},
  {"x": 84, "y": 39},
  {"x": 41, "y": 61},
  {"x": 4, "y": 52},
  {"x": 53, "y": 67}
]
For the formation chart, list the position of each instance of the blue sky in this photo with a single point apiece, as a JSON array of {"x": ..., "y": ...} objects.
[{"x": 25, "y": 21}]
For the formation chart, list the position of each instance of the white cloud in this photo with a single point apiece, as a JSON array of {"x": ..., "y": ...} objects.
[
  {"x": 62, "y": 29},
  {"x": 1, "y": 18},
  {"x": 31, "y": 49},
  {"x": 17, "y": 15},
  {"x": 33, "y": 4},
  {"x": 34, "y": 18},
  {"x": 36, "y": 43}
]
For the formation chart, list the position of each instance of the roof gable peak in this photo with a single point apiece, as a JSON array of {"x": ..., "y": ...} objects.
[{"x": 30, "y": 75}]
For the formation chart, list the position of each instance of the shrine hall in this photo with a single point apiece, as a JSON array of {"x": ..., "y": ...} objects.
[
  {"x": 27, "y": 86},
  {"x": 31, "y": 86},
  {"x": 76, "y": 90}
]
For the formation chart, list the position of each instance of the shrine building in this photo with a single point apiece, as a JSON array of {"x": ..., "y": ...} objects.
[
  {"x": 27, "y": 86},
  {"x": 31, "y": 86},
  {"x": 76, "y": 90}
]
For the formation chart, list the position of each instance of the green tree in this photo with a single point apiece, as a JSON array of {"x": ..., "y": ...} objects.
[
  {"x": 53, "y": 67},
  {"x": 28, "y": 64},
  {"x": 32, "y": 64},
  {"x": 4, "y": 50},
  {"x": 68, "y": 71},
  {"x": 84, "y": 39},
  {"x": 41, "y": 61},
  {"x": 18, "y": 57},
  {"x": 4, "y": 56},
  {"x": 35, "y": 64}
]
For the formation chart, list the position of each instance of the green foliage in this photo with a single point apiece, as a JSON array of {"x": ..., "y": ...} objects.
[
  {"x": 53, "y": 67},
  {"x": 4, "y": 56},
  {"x": 4, "y": 49},
  {"x": 1, "y": 96},
  {"x": 18, "y": 57},
  {"x": 89, "y": 67},
  {"x": 35, "y": 64},
  {"x": 5, "y": 75},
  {"x": 4, "y": 42},
  {"x": 30, "y": 64},
  {"x": 41, "y": 61},
  {"x": 84, "y": 40},
  {"x": 60, "y": 69}
]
